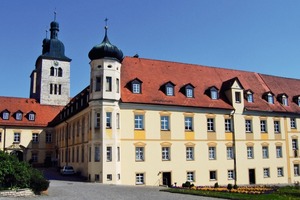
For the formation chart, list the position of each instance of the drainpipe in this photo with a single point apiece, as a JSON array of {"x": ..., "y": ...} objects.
[
  {"x": 67, "y": 144},
  {"x": 234, "y": 147},
  {"x": 4, "y": 138}
]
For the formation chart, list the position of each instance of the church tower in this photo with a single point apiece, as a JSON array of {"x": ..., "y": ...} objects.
[
  {"x": 104, "y": 100},
  {"x": 50, "y": 80}
]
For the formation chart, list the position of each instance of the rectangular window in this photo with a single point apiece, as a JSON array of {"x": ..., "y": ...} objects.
[
  {"x": 210, "y": 124},
  {"x": 212, "y": 175},
  {"x": 250, "y": 98},
  {"x": 108, "y": 119},
  {"x": 98, "y": 84},
  {"x": 270, "y": 99},
  {"x": 229, "y": 153},
  {"x": 278, "y": 151},
  {"x": 108, "y": 154},
  {"x": 294, "y": 144},
  {"x": 48, "y": 137},
  {"x": 136, "y": 88},
  {"x": 164, "y": 121},
  {"x": 35, "y": 137},
  {"x": 118, "y": 154},
  {"x": 51, "y": 88},
  {"x": 263, "y": 126},
  {"x": 265, "y": 152},
  {"x": 230, "y": 174},
  {"x": 227, "y": 125},
  {"x": 237, "y": 97},
  {"x": 118, "y": 120},
  {"x": 280, "y": 171},
  {"x": 266, "y": 172},
  {"x": 34, "y": 157},
  {"x": 188, "y": 121},
  {"x": 170, "y": 90},
  {"x": 97, "y": 119},
  {"x": 5, "y": 115},
  {"x": 59, "y": 89},
  {"x": 97, "y": 154},
  {"x": 19, "y": 116},
  {"x": 90, "y": 154},
  {"x": 139, "y": 121},
  {"x": 17, "y": 137},
  {"x": 248, "y": 126},
  {"x": 212, "y": 153},
  {"x": 250, "y": 154},
  {"x": 296, "y": 170},
  {"x": 189, "y": 92},
  {"x": 139, "y": 153},
  {"x": 190, "y": 176},
  {"x": 31, "y": 117},
  {"x": 293, "y": 123},
  {"x": 118, "y": 85},
  {"x": 139, "y": 179},
  {"x": 82, "y": 154},
  {"x": 276, "y": 126},
  {"x": 108, "y": 84},
  {"x": 165, "y": 153},
  {"x": 109, "y": 177},
  {"x": 189, "y": 153}
]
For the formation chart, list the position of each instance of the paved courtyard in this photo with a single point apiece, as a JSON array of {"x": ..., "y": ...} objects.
[{"x": 71, "y": 188}]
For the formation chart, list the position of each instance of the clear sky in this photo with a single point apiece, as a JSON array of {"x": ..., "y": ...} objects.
[{"x": 258, "y": 35}]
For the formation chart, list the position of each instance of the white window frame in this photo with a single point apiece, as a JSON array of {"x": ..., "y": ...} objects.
[
  {"x": 136, "y": 88},
  {"x": 139, "y": 121},
  {"x": 250, "y": 97},
  {"x": 213, "y": 175},
  {"x": 230, "y": 154},
  {"x": 139, "y": 179},
  {"x": 296, "y": 170},
  {"x": 277, "y": 126},
  {"x": 280, "y": 172},
  {"x": 31, "y": 116},
  {"x": 270, "y": 99},
  {"x": 278, "y": 151},
  {"x": 165, "y": 123},
  {"x": 263, "y": 126},
  {"x": 248, "y": 125},
  {"x": 230, "y": 174},
  {"x": 266, "y": 172},
  {"x": 165, "y": 151},
  {"x": 108, "y": 153},
  {"x": 293, "y": 123},
  {"x": 97, "y": 119},
  {"x": 212, "y": 153},
  {"x": 189, "y": 153},
  {"x": 139, "y": 153},
  {"x": 17, "y": 137},
  {"x": 250, "y": 152},
  {"x": 5, "y": 115},
  {"x": 189, "y": 93},
  {"x": 108, "y": 120},
  {"x": 188, "y": 123},
  {"x": 265, "y": 152},
  {"x": 228, "y": 127},
  {"x": 19, "y": 116},
  {"x": 169, "y": 90},
  {"x": 35, "y": 137},
  {"x": 210, "y": 125},
  {"x": 190, "y": 176}
]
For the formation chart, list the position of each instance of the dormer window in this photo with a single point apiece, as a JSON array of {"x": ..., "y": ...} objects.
[
  {"x": 296, "y": 99},
  {"x": 269, "y": 97},
  {"x": 5, "y": 115},
  {"x": 283, "y": 99},
  {"x": 168, "y": 89},
  {"x": 19, "y": 115},
  {"x": 249, "y": 96},
  {"x": 136, "y": 86},
  {"x": 31, "y": 116},
  {"x": 214, "y": 93}
]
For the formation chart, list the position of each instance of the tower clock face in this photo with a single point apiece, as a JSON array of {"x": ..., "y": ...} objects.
[{"x": 55, "y": 62}]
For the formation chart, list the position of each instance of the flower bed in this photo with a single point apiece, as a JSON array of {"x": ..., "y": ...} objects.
[{"x": 244, "y": 190}]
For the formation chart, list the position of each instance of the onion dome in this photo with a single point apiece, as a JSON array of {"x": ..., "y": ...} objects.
[
  {"x": 106, "y": 50},
  {"x": 53, "y": 48}
]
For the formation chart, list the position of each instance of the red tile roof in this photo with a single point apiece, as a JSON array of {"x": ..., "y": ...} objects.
[
  {"x": 44, "y": 113},
  {"x": 155, "y": 73}
]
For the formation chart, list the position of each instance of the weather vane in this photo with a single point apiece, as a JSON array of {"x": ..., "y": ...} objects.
[
  {"x": 106, "y": 27},
  {"x": 55, "y": 14}
]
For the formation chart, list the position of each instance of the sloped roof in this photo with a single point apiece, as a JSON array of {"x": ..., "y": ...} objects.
[
  {"x": 154, "y": 73},
  {"x": 44, "y": 113}
]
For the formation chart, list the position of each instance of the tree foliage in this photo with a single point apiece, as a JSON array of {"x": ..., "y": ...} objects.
[{"x": 16, "y": 174}]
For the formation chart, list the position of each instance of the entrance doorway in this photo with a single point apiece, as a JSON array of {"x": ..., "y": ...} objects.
[
  {"x": 252, "y": 176},
  {"x": 166, "y": 178}
]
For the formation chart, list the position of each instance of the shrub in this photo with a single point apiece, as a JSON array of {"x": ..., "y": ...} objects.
[
  {"x": 229, "y": 186},
  {"x": 235, "y": 186},
  {"x": 37, "y": 182},
  {"x": 187, "y": 184},
  {"x": 216, "y": 185}
]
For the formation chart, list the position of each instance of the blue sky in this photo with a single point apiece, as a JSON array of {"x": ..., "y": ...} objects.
[{"x": 258, "y": 35}]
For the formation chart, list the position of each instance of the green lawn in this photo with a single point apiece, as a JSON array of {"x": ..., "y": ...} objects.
[{"x": 283, "y": 193}]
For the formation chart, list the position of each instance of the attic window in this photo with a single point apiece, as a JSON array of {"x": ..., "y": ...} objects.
[
  {"x": 5, "y": 115},
  {"x": 214, "y": 93},
  {"x": 31, "y": 116},
  {"x": 270, "y": 98},
  {"x": 284, "y": 100},
  {"x": 169, "y": 89},
  {"x": 19, "y": 116},
  {"x": 136, "y": 86},
  {"x": 189, "y": 91},
  {"x": 249, "y": 96}
]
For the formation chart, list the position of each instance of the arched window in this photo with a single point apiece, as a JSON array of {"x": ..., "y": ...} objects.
[
  {"x": 52, "y": 71},
  {"x": 60, "y": 72}
]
